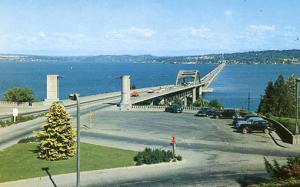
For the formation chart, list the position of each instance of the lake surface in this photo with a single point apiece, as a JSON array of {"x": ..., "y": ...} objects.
[
  {"x": 235, "y": 82},
  {"x": 231, "y": 86}
]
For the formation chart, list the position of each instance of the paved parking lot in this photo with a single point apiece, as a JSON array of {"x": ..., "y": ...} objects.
[
  {"x": 161, "y": 126},
  {"x": 214, "y": 154}
]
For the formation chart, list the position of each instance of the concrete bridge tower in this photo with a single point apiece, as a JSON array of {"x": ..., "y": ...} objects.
[
  {"x": 52, "y": 89},
  {"x": 125, "y": 103}
]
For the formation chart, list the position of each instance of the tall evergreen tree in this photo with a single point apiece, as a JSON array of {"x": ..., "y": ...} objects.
[
  {"x": 279, "y": 98},
  {"x": 266, "y": 104},
  {"x": 57, "y": 137},
  {"x": 291, "y": 83},
  {"x": 279, "y": 93}
]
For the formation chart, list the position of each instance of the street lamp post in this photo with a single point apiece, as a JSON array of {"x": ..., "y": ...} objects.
[
  {"x": 297, "y": 105},
  {"x": 75, "y": 97}
]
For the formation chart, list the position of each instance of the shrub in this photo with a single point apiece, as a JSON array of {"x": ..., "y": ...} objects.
[
  {"x": 57, "y": 137},
  {"x": 19, "y": 95},
  {"x": 201, "y": 103},
  {"x": 289, "y": 123},
  {"x": 153, "y": 156},
  {"x": 215, "y": 104},
  {"x": 288, "y": 171},
  {"x": 30, "y": 139},
  {"x": 178, "y": 101},
  {"x": 19, "y": 119},
  {"x": 179, "y": 157}
]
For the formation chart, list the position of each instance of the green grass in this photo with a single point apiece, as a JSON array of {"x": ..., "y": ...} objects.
[
  {"x": 289, "y": 123},
  {"x": 20, "y": 161}
]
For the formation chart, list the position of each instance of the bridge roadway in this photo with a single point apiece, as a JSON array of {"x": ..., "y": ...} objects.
[{"x": 185, "y": 90}]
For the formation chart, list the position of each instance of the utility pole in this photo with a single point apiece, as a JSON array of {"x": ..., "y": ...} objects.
[
  {"x": 75, "y": 97},
  {"x": 297, "y": 105},
  {"x": 249, "y": 101}
]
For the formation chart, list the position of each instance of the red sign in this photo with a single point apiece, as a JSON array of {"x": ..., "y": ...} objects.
[{"x": 173, "y": 139}]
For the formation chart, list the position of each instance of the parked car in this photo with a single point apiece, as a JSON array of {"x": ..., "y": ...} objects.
[
  {"x": 213, "y": 112},
  {"x": 134, "y": 93},
  {"x": 227, "y": 113},
  {"x": 256, "y": 125},
  {"x": 150, "y": 91},
  {"x": 207, "y": 111},
  {"x": 202, "y": 112},
  {"x": 245, "y": 118},
  {"x": 174, "y": 108},
  {"x": 248, "y": 121}
]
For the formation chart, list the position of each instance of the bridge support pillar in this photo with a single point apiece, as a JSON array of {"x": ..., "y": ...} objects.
[
  {"x": 194, "y": 95},
  {"x": 185, "y": 101},
  {"x": 52, "y": 89},
  {"x": 200, "y": 91},
  {"x": 125, "y": 103}
]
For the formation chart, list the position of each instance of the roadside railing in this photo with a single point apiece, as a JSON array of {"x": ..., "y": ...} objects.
[{"x": 155, "y": 107}]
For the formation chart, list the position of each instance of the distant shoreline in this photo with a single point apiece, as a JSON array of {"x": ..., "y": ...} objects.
[{"x": 254, "y": 57}]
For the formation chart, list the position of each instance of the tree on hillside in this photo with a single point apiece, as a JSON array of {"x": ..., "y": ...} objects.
[
  {"x": 19, "y": 95},
  {"x": 57, "y": 137},
  {"x": 215, "y": 104},
  {"x": 201, "y": 103}
]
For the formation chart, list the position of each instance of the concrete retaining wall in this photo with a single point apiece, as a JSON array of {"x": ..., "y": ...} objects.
[{"x": 285, "y": 134}]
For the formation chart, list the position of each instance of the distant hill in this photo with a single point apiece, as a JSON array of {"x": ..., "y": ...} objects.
[{"x": 253, "y": 57}]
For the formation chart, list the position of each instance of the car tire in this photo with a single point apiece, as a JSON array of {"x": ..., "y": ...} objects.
[
  {"x": 244, "y": 130},
  {"x": 267, "y": 131}
]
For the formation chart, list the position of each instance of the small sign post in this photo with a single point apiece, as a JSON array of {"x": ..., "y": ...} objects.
[
  {"x": 173, "y": 142},
  {"x": 15, "y": 114},
  {"x": 91, "y": 115}
]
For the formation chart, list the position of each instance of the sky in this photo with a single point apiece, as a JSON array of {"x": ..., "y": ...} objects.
[{"x": 157, "y": 27}]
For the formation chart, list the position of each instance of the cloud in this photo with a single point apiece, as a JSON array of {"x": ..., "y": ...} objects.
[
  {"x": 145, "y": 32},
  {"x": 228, "y": 13},
  {"x": 201, "y": 32},
  {"x": 257, "y": 33},
  {"x": 132, "y": 33},
  {"x": 261, "y": 28},
  {"x": 42, "y": 35}
]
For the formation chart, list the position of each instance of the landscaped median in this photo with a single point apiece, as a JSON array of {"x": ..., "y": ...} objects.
[{"x": 20, "y": 161}]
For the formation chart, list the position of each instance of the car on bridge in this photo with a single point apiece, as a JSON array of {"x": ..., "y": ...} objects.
[
  {"x": 174, "y": 108},
  {"x": 135, "y": 93},
  {"x": 150, "y": 91},
  {"x": 255, "y": 126}
]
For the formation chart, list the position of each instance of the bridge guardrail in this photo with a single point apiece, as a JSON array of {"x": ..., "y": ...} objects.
[{"x": 161, "y": 107}]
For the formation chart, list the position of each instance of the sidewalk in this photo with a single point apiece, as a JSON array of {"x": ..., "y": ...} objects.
[
  {"x": 104, "y": 177},
  {"x": 277, "y": 141}
]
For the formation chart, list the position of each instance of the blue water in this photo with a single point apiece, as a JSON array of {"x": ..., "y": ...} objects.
[
  {"x": 231, "y": 86},
  {"x": 89, "y": 78},
  {"x": 235, "y": 82}
]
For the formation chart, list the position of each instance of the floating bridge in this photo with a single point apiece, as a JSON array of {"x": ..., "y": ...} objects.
[{"x": 188, "y": 86}]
